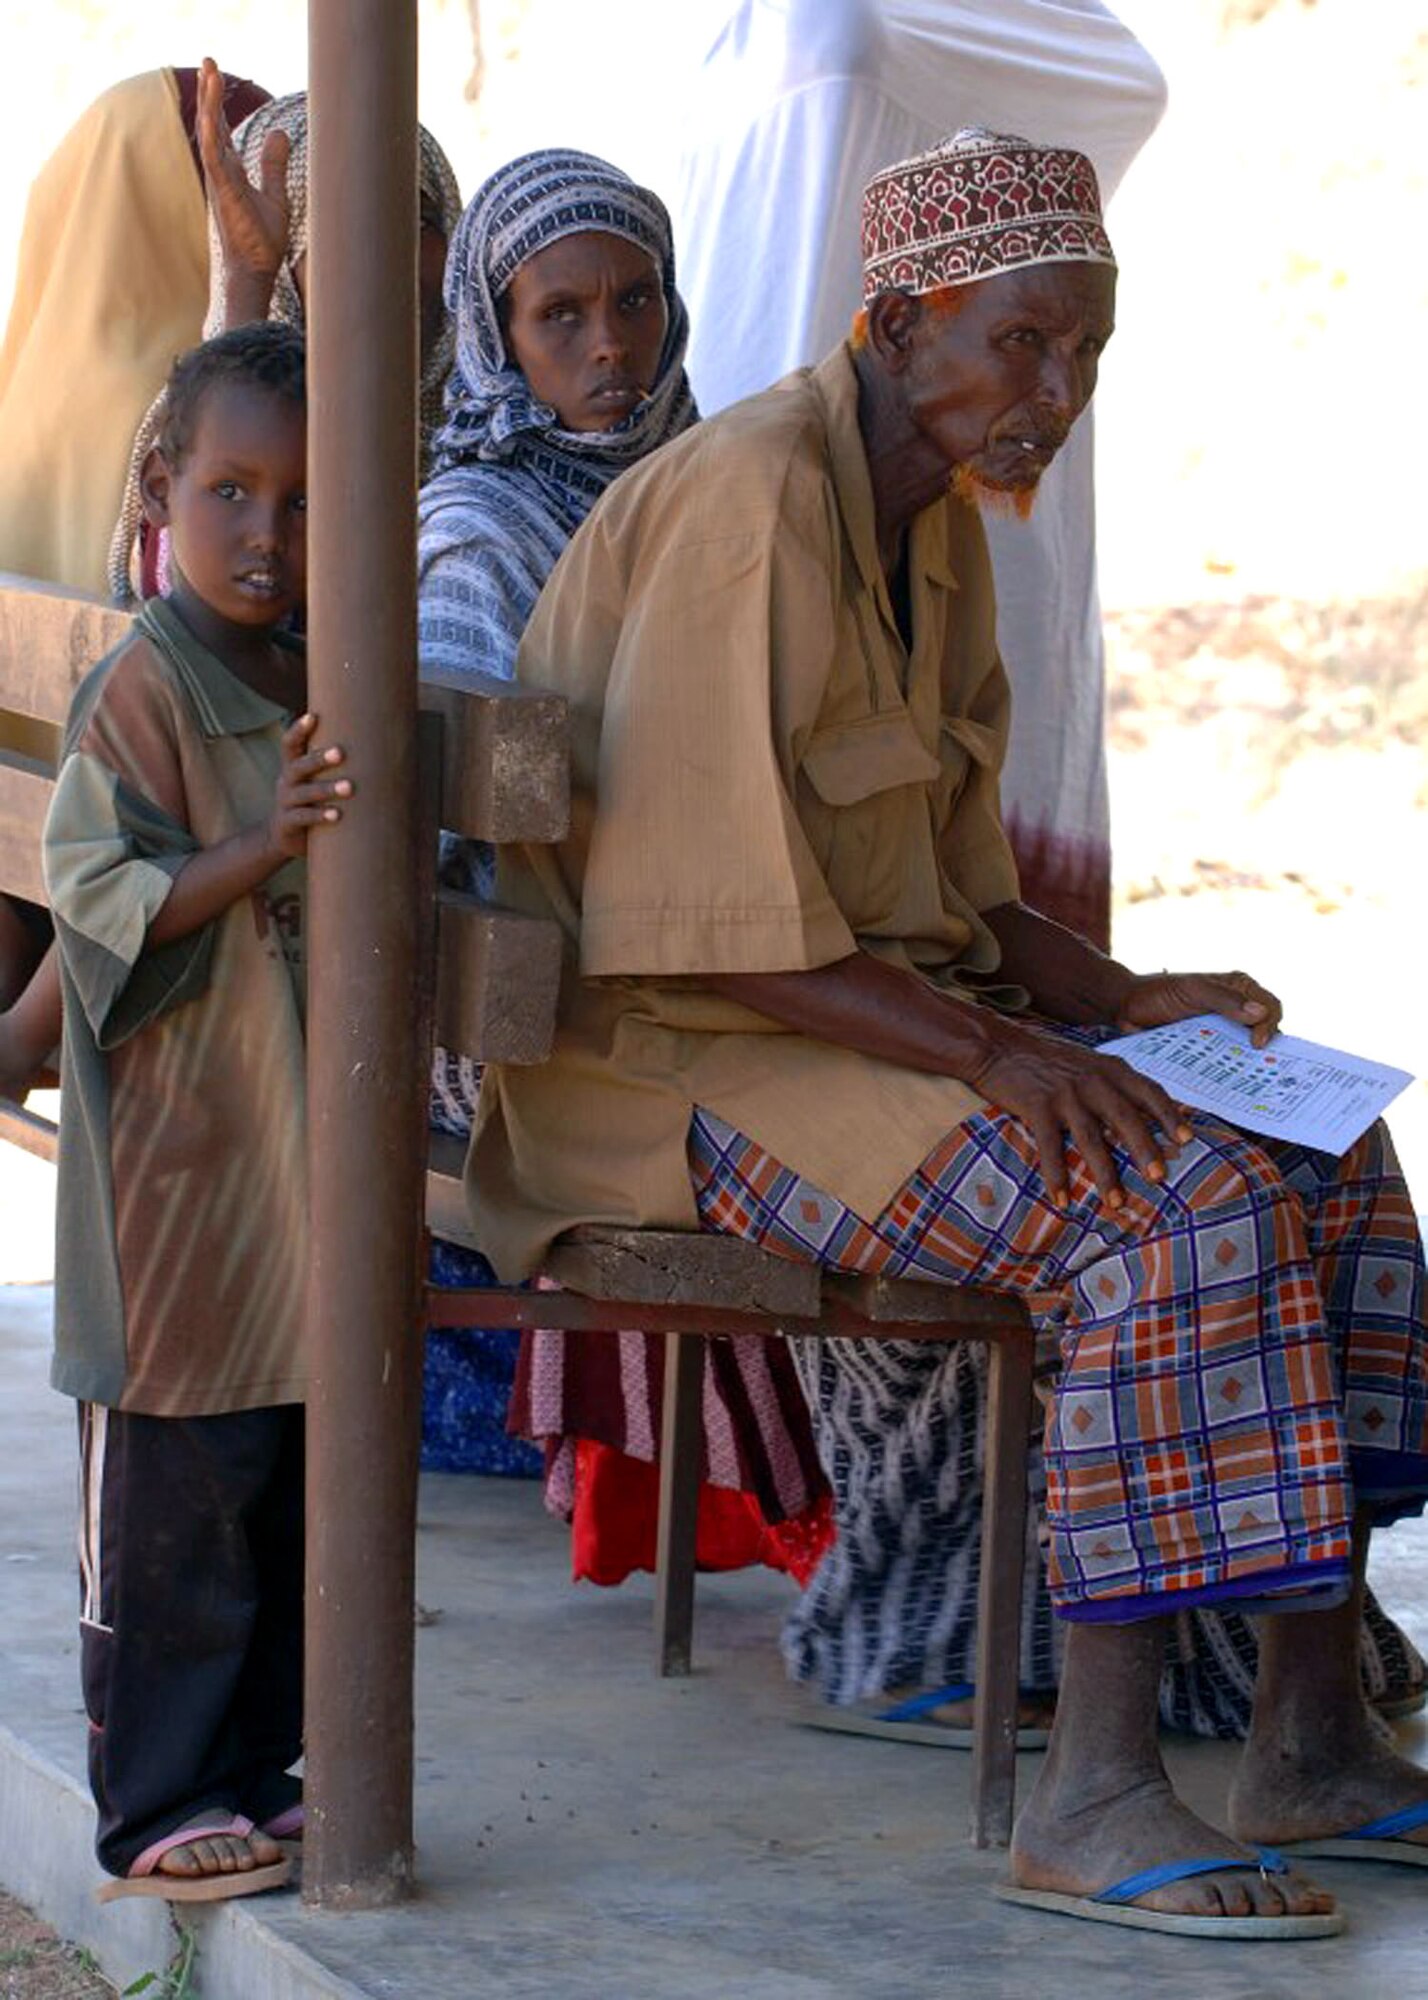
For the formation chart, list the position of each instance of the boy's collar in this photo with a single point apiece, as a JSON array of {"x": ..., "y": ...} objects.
[{"x": 226, "y": 706}]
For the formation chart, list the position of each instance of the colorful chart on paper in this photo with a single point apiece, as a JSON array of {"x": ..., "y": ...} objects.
[{"x": 1295, "y": 1090}]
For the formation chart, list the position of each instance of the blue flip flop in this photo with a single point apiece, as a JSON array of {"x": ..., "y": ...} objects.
[
  {"x": 1117, "y": 1905},
  {"x": 1376, "y": 1840},
  {"x": 908, "y": 1721}
]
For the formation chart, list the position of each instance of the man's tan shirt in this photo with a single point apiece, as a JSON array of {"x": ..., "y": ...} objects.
[{"x": 764, "y": 779}]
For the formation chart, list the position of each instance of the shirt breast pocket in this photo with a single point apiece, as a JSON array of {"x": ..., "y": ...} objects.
[{"x": 864, "y": 805}]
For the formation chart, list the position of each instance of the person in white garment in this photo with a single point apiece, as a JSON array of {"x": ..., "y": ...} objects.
[{"x": 797, "y": 104}]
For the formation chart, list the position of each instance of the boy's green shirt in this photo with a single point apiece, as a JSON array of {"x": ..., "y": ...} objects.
[{"x": 179, "y": 1266}]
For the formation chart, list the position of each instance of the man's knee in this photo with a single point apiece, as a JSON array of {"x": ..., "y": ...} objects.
[{"x": 1220, "y": 1168}]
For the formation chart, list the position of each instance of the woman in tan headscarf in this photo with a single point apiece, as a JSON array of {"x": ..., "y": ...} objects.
[
  {"x": 253, "y": 263},
  {"x": 111, "y": 284}
]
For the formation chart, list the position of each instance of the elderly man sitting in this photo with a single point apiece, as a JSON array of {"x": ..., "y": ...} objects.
[{"x": 804, "y": 1005}]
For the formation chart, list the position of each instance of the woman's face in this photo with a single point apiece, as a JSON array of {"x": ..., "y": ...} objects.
[{"x": 584, "y": 321}]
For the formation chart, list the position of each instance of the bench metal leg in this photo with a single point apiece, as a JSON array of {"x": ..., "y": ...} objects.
[
  {"x": 681, "y": 1451},
  {"x": 1009, "y": 1407}
]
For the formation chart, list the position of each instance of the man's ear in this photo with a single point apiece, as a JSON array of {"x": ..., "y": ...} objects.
[
  {"x": 155, "y": 482},
  {"x": 892, "y": 316}
]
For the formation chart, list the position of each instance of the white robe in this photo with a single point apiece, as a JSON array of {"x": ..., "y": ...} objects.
[{"x": 797, "y": 104}]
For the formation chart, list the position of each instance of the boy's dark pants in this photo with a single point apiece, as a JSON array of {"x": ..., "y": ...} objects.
[{"x": 191, "y": 1576}]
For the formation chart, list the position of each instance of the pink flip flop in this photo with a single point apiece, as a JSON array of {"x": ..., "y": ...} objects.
[
  {"x": 287, "y": 1825},
  {"x": 143, "y": 1878}
]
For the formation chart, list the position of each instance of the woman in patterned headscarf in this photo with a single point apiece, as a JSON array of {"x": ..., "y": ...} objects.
[
  {"x": 515, "y": 474},
  {"x": 257, "y": 186},
  {"x": 570, "y": 339},
  {"x": 515, "y": 471},
  {"x": 110, "y": 284}
]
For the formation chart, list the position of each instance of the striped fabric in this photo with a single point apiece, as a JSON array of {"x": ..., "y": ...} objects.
[
  {"x": 607, "y": 1388},
  {"x": 492, "y": 415},
  {"x": 1199, "y": 1448},
  {"x": 893, "y": 1604},
  {"x": 510, "y": 490},
  {"x": 488, "y": 538},
  {"x": 93, "y": 1436}
]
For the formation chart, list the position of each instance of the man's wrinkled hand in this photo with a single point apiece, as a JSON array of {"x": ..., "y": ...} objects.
[
  {"x": 1157, "y": 998},
  {"x": 1069, "y": 1095}
]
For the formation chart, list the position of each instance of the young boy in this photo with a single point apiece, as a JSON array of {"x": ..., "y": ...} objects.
[{"x": 173, "y": 857}]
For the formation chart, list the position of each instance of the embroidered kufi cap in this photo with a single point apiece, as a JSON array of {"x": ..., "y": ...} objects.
[{"x": 979, "y": 204}]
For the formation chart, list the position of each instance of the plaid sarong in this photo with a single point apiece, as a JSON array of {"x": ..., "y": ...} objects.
[{"x": 1242, "y": 1352}]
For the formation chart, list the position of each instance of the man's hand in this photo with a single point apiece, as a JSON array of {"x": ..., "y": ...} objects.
[
  {"x": 252, "y": 222},
  {"x": 304, "y": 796},
  {"x": 1065, "y": 1094},
  {"x": 1156, "y": 999}
]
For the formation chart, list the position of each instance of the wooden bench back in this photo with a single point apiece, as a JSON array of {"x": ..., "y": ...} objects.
[
  {"x": 48, "y": 643},
  {"x": 504, "y": 776}
]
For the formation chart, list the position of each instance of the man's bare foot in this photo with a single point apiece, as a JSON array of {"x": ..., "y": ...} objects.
[
  {"x": 1309, "y": 1780},
  {"x": 1083, "y": 1849},
  {"x": 218, "y": 1853}
]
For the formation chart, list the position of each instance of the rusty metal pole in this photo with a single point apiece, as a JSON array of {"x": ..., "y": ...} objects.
[{"x": 364, "y": 1147}]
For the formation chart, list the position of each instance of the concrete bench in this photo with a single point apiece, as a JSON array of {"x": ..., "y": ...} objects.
[{"x": 496, "y": 764}]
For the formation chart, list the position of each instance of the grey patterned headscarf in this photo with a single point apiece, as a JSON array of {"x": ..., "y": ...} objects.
[
  {"x": 511, "y": 484},
  {"x": 492, "y": 415},
  {"x": 289, "y": 115}
]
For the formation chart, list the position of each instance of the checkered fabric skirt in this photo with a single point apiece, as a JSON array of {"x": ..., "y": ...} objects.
[{"x": 1243, "y": 1353}]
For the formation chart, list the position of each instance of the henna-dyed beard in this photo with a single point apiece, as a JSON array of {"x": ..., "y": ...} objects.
[{"x": 1008, "y": 502}]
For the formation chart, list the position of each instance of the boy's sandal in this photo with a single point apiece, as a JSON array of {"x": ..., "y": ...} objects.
[
  {"x": 1117, "y": 1905},
  {"x": 286, "y": 1825},
  {"x": 145, "y": 1879}
]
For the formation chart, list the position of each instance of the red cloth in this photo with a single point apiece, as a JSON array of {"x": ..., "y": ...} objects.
[
  {"x": 616, "y": 1509},
  {"x": 609, "y": 1388}
]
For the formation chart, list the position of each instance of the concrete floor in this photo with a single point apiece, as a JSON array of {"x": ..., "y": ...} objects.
[{"x": 588, "y": 1831}]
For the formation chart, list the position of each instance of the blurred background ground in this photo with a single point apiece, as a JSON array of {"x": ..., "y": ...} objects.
[{"x": 1267, "y": 777}]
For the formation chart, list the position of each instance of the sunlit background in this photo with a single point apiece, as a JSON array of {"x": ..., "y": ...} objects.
[{"x": 1262, "y": 432}]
